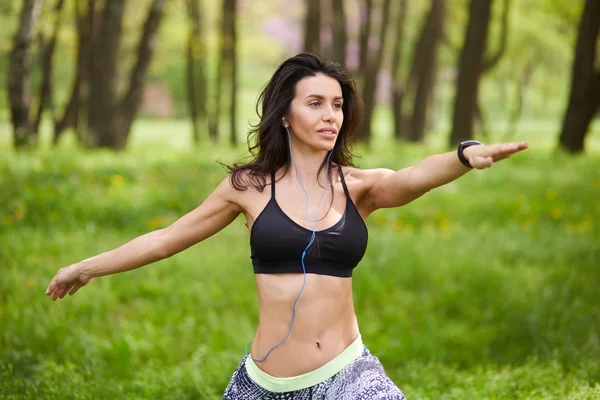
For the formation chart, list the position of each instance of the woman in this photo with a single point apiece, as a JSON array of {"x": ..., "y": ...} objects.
[{"x": 305, "y": 205}]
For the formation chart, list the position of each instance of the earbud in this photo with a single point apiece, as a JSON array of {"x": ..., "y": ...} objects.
[{"x": 284, "y": 122}]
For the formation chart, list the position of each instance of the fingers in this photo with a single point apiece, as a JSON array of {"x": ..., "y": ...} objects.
[
  {"x": 61, "y": 291},
  {"x": 505, "y": 150},
  {"x": 480, "y": 162},
  {"x": 74, "y": 289},
  {"x": 51, "y": 287}
]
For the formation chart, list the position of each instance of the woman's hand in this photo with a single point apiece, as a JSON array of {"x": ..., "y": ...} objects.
[
  {"x": 483, "y": 156},
  {"x": 67, "y": 280}
]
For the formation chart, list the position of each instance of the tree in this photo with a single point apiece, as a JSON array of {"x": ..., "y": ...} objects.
[
  {"x": 365, "y": 32},
  {"x": 340, "y": 33},
  {"x": 19, "y": 68},
  {"x": 469, "y": 70},
  {"x": 491, "y": 61},
  {"x": 227, "y": 69},
  {"x": 426, "y": 66},
  {"x": 371, "y": 72},
  {"x": 76, "y": 110},
  {"x": 312, "y": 27},
  {"x": 110, "y": 117},
  {"x": 398, "y": 84},
  {"x": 584, "y": 97},
  {"x": 196, "y": 70},
  {"x": 47, "y": 47}
]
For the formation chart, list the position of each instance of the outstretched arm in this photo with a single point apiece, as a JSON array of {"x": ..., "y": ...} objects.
[
  {"x": 214, "y": 214},
  {"x": 389, "y": 188}
]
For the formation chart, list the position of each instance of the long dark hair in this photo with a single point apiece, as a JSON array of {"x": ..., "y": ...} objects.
[{"x": 268, "y": 140}]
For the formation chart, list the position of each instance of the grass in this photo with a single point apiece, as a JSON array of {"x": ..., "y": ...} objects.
[{"x": 485, "y": 288}]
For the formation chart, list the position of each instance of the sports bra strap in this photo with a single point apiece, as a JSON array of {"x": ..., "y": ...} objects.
[
  {"x": 273, "y": 185},
  {"x": 343, "y": 181}
]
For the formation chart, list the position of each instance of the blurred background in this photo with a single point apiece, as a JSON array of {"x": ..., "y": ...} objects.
[
  {"x": 113, "y": 113},
  {"x": 86, "y": 71}
]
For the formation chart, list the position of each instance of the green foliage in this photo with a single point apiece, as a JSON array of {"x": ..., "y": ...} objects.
[{"x": 485, "y": 288}]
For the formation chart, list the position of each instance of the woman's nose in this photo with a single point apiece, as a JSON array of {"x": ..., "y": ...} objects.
[{"x": 328, "y": 114}]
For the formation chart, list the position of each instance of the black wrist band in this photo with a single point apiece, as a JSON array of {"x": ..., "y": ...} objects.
[{"x": 461, "y": 148}]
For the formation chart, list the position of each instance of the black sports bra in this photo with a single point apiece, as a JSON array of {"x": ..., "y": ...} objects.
[{"x": 277, "y": 242}]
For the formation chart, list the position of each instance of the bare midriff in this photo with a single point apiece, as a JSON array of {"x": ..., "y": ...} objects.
[{"x": 324, "y": 324}]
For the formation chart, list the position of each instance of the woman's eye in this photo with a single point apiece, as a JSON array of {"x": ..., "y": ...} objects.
[
  {"x": 314, "y": 104},
  {"x": 338, "y": 106}
]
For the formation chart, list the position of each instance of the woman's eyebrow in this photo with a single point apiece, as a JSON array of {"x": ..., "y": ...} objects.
[{"x": 321, "y": 97}]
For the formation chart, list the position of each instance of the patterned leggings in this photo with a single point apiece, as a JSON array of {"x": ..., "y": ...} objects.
[{"x": 362, "y": 379}]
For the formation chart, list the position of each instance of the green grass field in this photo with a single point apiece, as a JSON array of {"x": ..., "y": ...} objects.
[{"x": 486, "y": 288}]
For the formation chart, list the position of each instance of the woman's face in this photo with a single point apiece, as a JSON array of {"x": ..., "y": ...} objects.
[{"x": 316, "y": 116}]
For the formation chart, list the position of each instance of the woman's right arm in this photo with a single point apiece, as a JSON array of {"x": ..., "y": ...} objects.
[{"x": 214, "y": 214}]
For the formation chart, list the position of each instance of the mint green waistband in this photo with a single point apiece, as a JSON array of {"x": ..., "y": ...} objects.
[{"x": 279, "y": 385}]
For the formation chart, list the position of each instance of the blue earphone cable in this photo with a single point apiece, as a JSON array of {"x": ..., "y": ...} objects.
[{"x": 312, "y": 239}]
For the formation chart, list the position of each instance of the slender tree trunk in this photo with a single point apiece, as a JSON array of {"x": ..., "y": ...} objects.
[
  {"x": 340, "y": 33},
  {"x": 584, "y": 98},
  {"x": 196, "y": 70},
  {"x": 18, "y": 73},
  {"x": 130, "y": 103},
  {"x": 431, "y": 35},
  {"x": 398, "y": 84},
  {"x": 488, "y": 64},
  {"x": 232, "y": 64},
  {"x": 521, "y": 86},
  {"x": 470, "y": 67},
  {"x": 103, "y": 126},
  {"x": 371, "y": 74},
  {"x": 312, "y": 27},
  {"x": 366, "y": 13},
  {"x": 226, "y": 77},
  {"x": 75, "y": 113},
  {"x": 46, "y": 101}
]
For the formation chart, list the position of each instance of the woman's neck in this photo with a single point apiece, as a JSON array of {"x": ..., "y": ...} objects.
[{"x": 307, "y": 164}]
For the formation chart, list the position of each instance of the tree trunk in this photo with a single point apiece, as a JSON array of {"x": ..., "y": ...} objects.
[
  {"x": 340, "y": 33},
  {"x": 584, "y": 98},
  {"x": 488, "y": 64},
  {"x": 312, "y": 27},
  {"x": 196, "y": 71},
  {"x": 371, "y": 74},
  {"x": 103, "y": 127},
  {"x": 470, "y": 67},
  {"x": 398, "y": 83},
  {"x": 232, "y": 67},
  {"x": 431, "y": 35},
  {"x": 130, "y": 103},
  {"x": 18, "y": 73},
  {"x": 365, "y": 33},
  {"x": 75, "y": 113},
  {"x": 491, "y": 61},
  {"x": 226, "y": 77},
  {"x": 46, "y": 88},
  {"x": 521, "y": 86}
]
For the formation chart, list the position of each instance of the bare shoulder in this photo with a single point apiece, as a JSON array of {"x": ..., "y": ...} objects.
[
  {"x": 360, "y": 183},
  {"x": 239, "y": 189}
]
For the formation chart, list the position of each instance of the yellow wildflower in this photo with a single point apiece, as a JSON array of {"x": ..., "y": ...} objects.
[
  {"x": 117, "y": 180},
  {"x": 556, "y": 213},
  {"x": 444, "y": 224}
]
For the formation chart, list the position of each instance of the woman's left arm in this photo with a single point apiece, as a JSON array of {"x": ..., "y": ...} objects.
[{"x": 389, "y": 188}]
